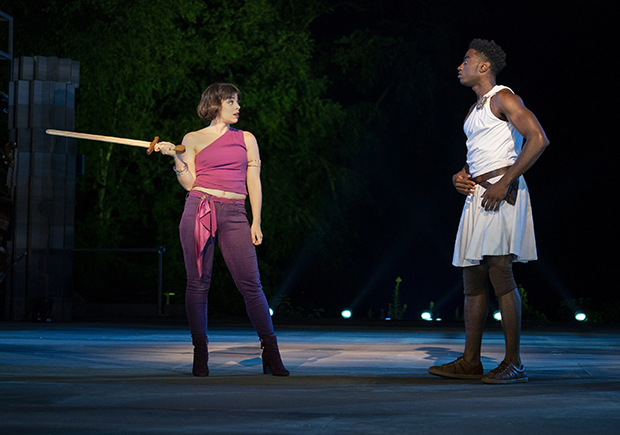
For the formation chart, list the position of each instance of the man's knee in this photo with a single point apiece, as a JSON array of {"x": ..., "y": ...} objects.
[
  {"x": 502, "y": 279},
  {"x": 475, "y": 280},
  {"x": 496, "y": 269}
]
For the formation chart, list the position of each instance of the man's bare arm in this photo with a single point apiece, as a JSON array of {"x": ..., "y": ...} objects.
[{"x": 511, "y": 108}]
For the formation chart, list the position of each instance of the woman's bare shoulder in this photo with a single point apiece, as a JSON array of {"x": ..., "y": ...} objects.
[
  {"x": 196, "y": 137},
  {"x": 248, "y": 136}
]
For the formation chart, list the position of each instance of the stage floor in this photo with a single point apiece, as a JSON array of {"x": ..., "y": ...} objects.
[{"x": 136, "y": 379}]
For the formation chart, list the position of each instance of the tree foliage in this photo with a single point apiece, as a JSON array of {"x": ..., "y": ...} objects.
[
  {"x": 341, "y": 109},
  {"x": 143, "y": 67}
]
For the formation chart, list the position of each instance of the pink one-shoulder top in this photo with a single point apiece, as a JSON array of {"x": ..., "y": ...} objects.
[{"x": 223, "y": 164}]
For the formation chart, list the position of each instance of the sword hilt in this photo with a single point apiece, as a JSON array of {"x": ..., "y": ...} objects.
[
  {"x": 152, "y": 145},
  {"x": 179, "y": 149}
]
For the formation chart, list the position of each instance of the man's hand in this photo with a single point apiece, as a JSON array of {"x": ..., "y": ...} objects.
[
  {"x": 493, "y": 196},
  {"x": 463, "y": 183}
]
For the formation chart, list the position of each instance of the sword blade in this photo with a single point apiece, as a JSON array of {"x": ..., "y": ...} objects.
[
  {"x": 179, "y": 149},
  {"x": 100, "y": 138}
]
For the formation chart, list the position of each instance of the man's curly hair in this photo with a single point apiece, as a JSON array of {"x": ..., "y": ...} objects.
[{"x": 491, "y": 52}]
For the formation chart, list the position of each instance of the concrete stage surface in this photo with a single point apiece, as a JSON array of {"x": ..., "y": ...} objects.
[{"x": 135, "y": 379}]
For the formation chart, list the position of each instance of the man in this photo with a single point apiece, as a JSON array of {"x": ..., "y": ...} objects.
[{"x": 496, "y": 227}]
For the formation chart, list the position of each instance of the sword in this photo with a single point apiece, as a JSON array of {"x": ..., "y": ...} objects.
[{"x": 179, "y": 149}]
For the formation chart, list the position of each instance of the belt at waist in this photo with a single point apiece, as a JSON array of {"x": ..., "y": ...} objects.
[
  {"x": 511, "y": 195},
  {"x": 208, "y": 197},
  {"x": 484, "y": 177}
]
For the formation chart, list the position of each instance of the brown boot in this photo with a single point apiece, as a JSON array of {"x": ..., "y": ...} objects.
[
  {"x": 201, "y": 356},
  {"x": 272, "y": 363},
  {"x": 458, "y": 369},
  {"x": 506, "y": 373}
]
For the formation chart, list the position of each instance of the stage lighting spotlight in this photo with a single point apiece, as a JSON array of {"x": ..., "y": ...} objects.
[
  {"x": 497, "y": 315},
  {"x": 427, "y": 315},
  {"x": 580, "y": 316},
  {"x": 270, "y": 312},
  {"x": 346, "y": 313}
]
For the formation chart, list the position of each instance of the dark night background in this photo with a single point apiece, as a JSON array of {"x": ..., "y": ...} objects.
[{"x": 357, "y": 189}]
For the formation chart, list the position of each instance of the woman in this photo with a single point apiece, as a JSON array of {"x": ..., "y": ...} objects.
[{"x": 219, "y": 168}]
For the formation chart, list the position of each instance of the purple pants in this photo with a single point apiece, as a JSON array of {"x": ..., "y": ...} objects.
[{"x": 234, "y": 238}]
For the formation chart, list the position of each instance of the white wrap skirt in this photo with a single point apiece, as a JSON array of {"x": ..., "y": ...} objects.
[{"x": 507, "y": 231}]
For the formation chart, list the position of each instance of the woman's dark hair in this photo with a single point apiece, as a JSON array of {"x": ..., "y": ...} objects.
[
  {"x": 491, "y": 52},
  {"x": 211, "y": 101}
]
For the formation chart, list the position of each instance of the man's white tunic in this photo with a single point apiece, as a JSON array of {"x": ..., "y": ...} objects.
[{"x": 493, "y": 144}]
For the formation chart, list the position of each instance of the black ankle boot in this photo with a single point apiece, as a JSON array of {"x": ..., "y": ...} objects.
[
  {"x": 201, "y": 356},
  {"x": 272, "y": 363}
]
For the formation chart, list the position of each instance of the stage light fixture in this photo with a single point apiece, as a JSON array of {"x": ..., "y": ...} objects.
[
  {"x": 580, "y": 316},
  {"x": 497, "y": 315},
  {"x": 427, "y": 315},
  {"x": 270, "y": 312},
  {"x": 346, "y": 313}
]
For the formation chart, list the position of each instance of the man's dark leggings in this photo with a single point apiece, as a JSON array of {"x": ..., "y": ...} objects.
[{"x": 494, "y": 269}]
